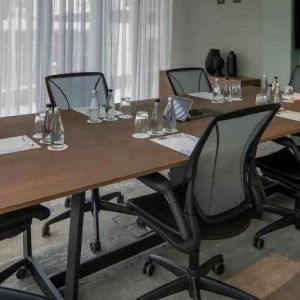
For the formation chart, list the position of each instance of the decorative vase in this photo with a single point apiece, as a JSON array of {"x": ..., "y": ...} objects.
[
  {"x": 209, "y": 62},
  {"x": 231, "y": 64},
  {"x": 218, "y": 65}
]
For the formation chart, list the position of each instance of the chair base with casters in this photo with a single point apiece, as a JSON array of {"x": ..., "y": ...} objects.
[
  {"x": 93, "y": 205},
  {"x": 13, "y": 224},
  {"x": 192, "y": 279}
]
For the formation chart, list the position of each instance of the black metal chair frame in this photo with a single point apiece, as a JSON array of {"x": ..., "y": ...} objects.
[
  {"x": 97, "y": 202},
  {"x": 27, "y": 263},
  {"x": 278, "y": 183},
  {"x": 170, "y": 77},
  {"x": 194, "y": 277}
]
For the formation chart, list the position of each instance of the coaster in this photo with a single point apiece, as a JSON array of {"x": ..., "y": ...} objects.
[
  {"x": 141, "y": 135},
  {"x": 43, "y": 143},
  {"x": 156, "y": 134},
  {"x": 110, "y": 120},
  {"x": 164, "y": 130},
  {"x": 288, "y": 101},
  {"x": 237, "y": 99},
  {"x": 37, "y": 136},
  {"x": 60, "y": 149},
  {"x": 94, "y": 122},
  {"x": 124, "y": 116}
]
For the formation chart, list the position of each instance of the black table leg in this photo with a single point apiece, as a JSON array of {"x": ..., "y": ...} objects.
[{"x": 74, "y": 247}]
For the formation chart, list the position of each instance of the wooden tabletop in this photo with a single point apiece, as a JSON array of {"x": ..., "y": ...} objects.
[{"x": 98, "y": 154}]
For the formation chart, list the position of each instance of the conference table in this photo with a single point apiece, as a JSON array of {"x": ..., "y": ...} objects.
[{"x": 98, "y": 155}]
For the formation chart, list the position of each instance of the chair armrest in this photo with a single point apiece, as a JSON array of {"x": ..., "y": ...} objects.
[
  {"x": 162, "y": 185},
  {"x": 288, "y": 142}
]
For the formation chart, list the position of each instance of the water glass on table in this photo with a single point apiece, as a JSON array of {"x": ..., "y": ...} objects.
[
  {"x": 141, "y": 130},
  {"x": 125, "y": 108},
  {"x": 38, "y": 125},
  {"x": 236, "y": 92},
  {"x": 288, "y": 95},
  {"x": 261, "y": 99}
]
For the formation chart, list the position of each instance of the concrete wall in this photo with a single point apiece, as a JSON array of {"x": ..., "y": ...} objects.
[
  {"x": 199, "y": 25},
  {"x": 259, "y": 31}
]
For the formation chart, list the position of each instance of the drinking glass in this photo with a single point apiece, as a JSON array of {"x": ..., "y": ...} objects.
[
  {"x": 141, "y": 125},
  {"x": 38, "y": 125},
  {"x": 236, "y": 92},
  {"x": 288, "y": 94},
  {"x": 125, "y": 108},
  {"x": 261, "y": 99}
]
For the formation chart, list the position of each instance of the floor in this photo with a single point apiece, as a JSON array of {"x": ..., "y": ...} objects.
[{"x": 125, "y": 281}]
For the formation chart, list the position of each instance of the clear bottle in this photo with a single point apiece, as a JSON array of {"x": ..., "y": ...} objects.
[
  {"x": 270, "y": 98},
  {"x": 170, "y": 123},
  {"x": 110, "y": 107},
  {"x": 217, "y": 94},
  {"x": 94, "y": 108},
  {"x": 156, "y": 119},
  {"x": 277, "y": 94},
  {"x": 57, "y": 130},
  {"x": 274, "y": 82},
  {"x": 46, "y": 130},
  {"x": 226, "y": 92},
  {"x": 264, "y": 85}
]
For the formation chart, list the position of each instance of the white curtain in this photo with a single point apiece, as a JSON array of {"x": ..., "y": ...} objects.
[{"x": 127, "y": 40}]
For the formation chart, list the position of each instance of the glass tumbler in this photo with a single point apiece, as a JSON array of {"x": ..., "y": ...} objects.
[
  {"x": 236, "y": 91},
  {"x": 125, "y": 108},
  {"x": 261, "y": 99},
  {"x": 38, "y": 125},
  {"x": 141, "y": 130},
  {"x": 288, "y": 94}
]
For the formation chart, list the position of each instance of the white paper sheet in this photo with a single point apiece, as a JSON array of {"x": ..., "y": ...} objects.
[
  {"x": 181, "y": 142},
  {"x": 16, "y": 144},
  {"x": 206, "y": 96},
  {"x": 289, "y": 114}
]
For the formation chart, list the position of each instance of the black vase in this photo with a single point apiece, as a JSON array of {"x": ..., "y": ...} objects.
[
  {"x": 209, "y": 62},
  {"x": 231, "y": 64},
  {"x": 218, "y": 65}
]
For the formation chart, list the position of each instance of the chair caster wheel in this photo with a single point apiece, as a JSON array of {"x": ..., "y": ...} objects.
[
  {"x": 46, "y": 231},
  {"x": 95, "y": 247},
  {"x": 120, "y": 199},
  {"x": 140, "y": 223},
  {"x": 148, "y": 268},
  {"x": 219, "y": 269},
  {"x": 259, "y": 243},
  {"x": 67, "y": 202},
  {"x": 22, "y": 273}
]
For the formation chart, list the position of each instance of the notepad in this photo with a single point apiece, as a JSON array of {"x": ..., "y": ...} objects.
[
  {"x": 206, "y": 96},
  {"x": 289, "y": 114},
  {"x": 16, "y": 144},
  {"x": 180, "y": 142}
]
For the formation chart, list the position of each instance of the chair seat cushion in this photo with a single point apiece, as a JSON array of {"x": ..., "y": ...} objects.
[
  {"x": 22, "y": 217},
  {"x": 9, "y": 294},
  {"x": 154, "y": 209},
  {"x": 280, "y": 163}
]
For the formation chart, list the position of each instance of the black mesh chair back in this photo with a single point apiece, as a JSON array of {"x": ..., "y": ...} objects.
[
  {"x": 218, "y": 165},
  {"x": 188, "y": 80},
  {"x": 75, "y": 89},
  {"x": 295, "y": 79}
]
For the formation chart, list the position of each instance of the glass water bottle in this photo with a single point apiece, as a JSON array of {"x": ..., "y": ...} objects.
[
  {"x": 274, "y": 82},
  {"x": 217, "y": 94},
  {"x": 57, "y": 130},
  {"x": 156, "y": 119},
  {"x": 46, "y": 130},
  {"x": 110, "y": 107},
  {"x": 170, "y": 123},
  {"x": 94, "y": 108},
  {"x": 226, "y": 91},
  {"x": 264, "y": 85}
]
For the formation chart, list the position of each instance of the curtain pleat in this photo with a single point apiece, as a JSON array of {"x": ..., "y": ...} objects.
[{"x": 127, "y": 40}]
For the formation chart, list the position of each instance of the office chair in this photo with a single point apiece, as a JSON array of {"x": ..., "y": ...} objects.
[
  {"x": 295, "y": 79},
  {"x": 10, "y": 294},
  {"x": 282, "y": 168},
  {"x": 188, "y": 80},
  {"x": 14, "y": 223},
  {"x": 212, "y": 202},
  {"x": 70, "y": 91}
]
